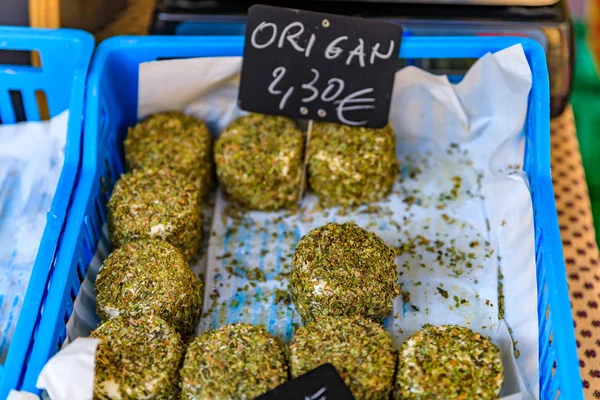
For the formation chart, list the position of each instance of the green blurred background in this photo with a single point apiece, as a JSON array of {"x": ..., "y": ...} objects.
[{"x": 585, "y": 99}]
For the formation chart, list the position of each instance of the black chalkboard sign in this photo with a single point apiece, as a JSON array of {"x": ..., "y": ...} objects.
[
  {"x": 324, "y": 67},
  {"x": 321, "y": 383}
]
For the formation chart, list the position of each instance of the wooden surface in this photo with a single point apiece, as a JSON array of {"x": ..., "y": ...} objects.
[
  {"x": 579, "y": 246},
  {"x": 134, "y": 20},
  {"x": 89, "y": 15},
  {"x": 44, "y": 13}
]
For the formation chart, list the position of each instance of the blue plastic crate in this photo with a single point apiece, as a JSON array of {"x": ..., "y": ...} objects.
[
  {"x": 65, "y": 56},
  {"x": 111, "y": 106}
]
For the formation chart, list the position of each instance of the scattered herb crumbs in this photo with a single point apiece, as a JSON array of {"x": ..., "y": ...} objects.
[
  {"x": 282, "y": 296},
  {"x": 443, "y": 292},
  {"x": 500, "y": 295},
  {"x": 448, "y": 219},
  {"x": 406, "y": 297},
  {"x": 255, "y": 274}
]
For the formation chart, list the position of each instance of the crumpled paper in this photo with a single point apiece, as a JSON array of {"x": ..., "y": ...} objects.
[
  {"x": 74, "y": 358},
  {"x": 17, "y": 395},
  {"x": 470, "y": 132},
  {"x": 71, "y": 365}
]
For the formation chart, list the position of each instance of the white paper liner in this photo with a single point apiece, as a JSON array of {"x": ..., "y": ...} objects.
[
  {"x": 484, "y": 114},
  {"x": 74, "y": 359},
  {"x": 31, "y": 162}
]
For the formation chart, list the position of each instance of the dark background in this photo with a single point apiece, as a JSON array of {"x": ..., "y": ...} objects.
[{"x": 14, "y": 12}]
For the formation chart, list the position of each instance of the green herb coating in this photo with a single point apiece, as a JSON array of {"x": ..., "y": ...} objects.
[
  {"x": 173, "y": 140},
  {"x": 138, "y": 357},
  {"x": 500, "y": 294},
  {"x": 359, "y": 349},
  {"x": 150, "y": 276},
  {"x": 156, "y": 203},
  {"x": 237, "y": 361},
  {"x": 448, "y": 362},
  {"x": 259, "y": 161},
  {"x": 350, "y": 166},
  {"x": 343, "y": 270}
]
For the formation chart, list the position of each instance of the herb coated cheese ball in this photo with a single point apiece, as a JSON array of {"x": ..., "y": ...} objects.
[
  {"x": 138, "y": 357},
  {"x": 173, "y": 140},
  {"x": 343, "y": 270},
  {"x": 156, "y": 203},
  {"x": 448, "y": 362},
  {"x": 350, "y": 166},
  {"x": 238, "y": 361},
  {"x": 259, "y": 161},
  {"x": 150, "y": 277},
  {"x": 359, "y": 349}
]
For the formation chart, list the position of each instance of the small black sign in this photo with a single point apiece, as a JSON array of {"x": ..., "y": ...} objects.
[
  {"x": 321, "y": 383},
  {"x": 325, "y": 67}
]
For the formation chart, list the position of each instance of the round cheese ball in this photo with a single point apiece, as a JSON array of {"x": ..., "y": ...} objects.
[
  {"x": 237, "y": 361},
  {"x": 350, "y": 166},
  {"x": 359, "y": 349},
  {"x": 173, "y": 140},
  {"x": 343, "y": 270},
  {"x": 138, "y": 357},
  {"x": 150, "y": 276},
  {"x": 448, "y": 362},
  {"x": 259, "y": 161},
  {"x": 152, "y": 203}
]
